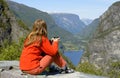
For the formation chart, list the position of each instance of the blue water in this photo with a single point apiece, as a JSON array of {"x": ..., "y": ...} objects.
[{"x": 74, "y": 56}]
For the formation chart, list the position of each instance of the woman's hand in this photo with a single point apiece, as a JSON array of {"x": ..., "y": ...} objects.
[{"x": 55, "y": 39}]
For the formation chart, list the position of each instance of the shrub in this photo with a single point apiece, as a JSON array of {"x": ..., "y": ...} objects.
[
  {"x": 88, "y": 68},
  {"x": 11, "y": 51},
  {"x": 114, "y": 71}
]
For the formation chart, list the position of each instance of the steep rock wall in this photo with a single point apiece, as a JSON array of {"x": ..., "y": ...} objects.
[
  {"x": 9, "y": 27},
  {"x": 104, "y": 48}
]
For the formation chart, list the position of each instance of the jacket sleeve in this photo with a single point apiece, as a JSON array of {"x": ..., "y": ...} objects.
[{"x": 48, "y": 48}]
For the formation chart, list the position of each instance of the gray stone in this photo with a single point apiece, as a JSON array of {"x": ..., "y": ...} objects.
[
  {"x": 10, "y": 29},
  {"x": 16, "y": 73},
  {"x": 104, "y": 47}
]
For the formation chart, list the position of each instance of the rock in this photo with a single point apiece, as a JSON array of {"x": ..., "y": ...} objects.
[
  {"x": 10, "y": 27},
  {"x": 14, "y": 72},
  {"x": 104, "y": 47}
]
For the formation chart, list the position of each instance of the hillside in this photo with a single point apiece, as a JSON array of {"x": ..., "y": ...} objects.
[
  {"x": 104, "y": 49},
  {"x": 69, "y": 22},
  {"x": 87, "y": 21},
  {"x": 29, "y": 15},
  {"x": 89, "y": 30},
  {"x": 10, "y": 28}
]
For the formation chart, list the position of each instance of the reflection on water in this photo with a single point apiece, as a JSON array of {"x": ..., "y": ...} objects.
[{"x": 74, "y": 56}]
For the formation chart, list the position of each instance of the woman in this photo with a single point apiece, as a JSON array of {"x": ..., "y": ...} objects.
[{"x": 38, "y": 53}]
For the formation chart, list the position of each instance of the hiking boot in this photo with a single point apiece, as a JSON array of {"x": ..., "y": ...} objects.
[
  {"x": 54, "y": 69},
  {"x": 66, "y": 70}
]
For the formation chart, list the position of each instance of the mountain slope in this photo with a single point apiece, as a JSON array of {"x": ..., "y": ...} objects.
[
  {"x": 104, "y": 49},
  {"x": 87, "y": 21},
  {"x": 29, "y": 15},
  {"x": 69, "y": 22},
  {"x": 10, "y": 28},
  {"x": 89, "y": 30}
]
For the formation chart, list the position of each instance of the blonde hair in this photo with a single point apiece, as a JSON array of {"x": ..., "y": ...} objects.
[{"x": 39, "y": 29}]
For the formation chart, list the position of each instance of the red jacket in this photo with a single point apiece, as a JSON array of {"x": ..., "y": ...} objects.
[{"x": 32, "y": 54}]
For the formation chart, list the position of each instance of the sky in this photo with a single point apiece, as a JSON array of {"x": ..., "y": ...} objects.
[{"x": 90, "y": 9}]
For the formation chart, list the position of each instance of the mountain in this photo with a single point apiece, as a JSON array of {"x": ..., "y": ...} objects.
[
  {"x": 87, "y": 33},
  {"x": 11, "y": 29},
  {"x": 69, "y": 22},
  {"x": 28, "y": 15},
  {"x": 104, "y": 48},
  {"x": 89, "y": 30},
  {"x": 87, "y": 21}
]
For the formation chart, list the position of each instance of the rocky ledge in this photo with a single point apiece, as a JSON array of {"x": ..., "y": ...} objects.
[{"x": 10, "y": 69}]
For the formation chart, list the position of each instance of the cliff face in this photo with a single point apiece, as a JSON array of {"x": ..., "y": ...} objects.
[
  {"x": 10, "y": 29},
  {"x": 104, "y": 48}
]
